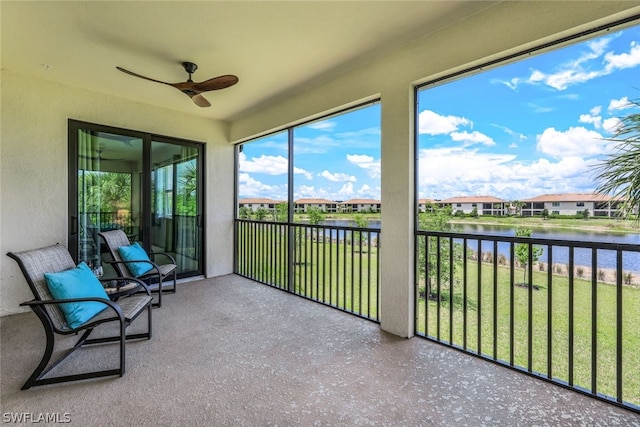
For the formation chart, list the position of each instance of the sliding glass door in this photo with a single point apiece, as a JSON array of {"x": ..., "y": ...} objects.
[
  {"x": 146, "y": 185},
  {"x": 176, "y": 222}
]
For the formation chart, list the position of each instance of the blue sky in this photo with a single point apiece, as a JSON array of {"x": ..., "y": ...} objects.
[
  {"x": 337, "y": 158},
  {"x": 531, "y": 127},
  {"x": 536, "y": 126}
]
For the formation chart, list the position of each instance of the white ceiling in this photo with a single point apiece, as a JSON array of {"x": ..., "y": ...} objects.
[{"x": 275, "y": 48}]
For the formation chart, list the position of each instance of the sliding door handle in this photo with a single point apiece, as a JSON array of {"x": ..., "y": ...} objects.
[{"x": 74, "y": 225}]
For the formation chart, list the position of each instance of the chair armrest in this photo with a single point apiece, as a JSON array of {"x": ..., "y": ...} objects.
[
  {"x": 153, "y": 264},
  {"x": 153, "y": 254},
  {"x": 112, "y": 305},
  {"x": 125, "y": 280}
]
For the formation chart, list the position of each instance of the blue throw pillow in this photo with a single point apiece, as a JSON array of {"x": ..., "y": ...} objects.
[
  {"x": 78, "y": 282},
  {"x": 135, "y": 252}
]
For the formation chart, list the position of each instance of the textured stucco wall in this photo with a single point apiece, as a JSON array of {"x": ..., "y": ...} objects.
[{"x": 33, "y": 168}]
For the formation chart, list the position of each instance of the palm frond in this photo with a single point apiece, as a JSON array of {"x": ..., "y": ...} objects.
[{"x": 618, "y": 175}]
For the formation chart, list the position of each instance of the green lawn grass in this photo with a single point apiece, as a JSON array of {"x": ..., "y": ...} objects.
[
  {"x": 496, "y": 299},
  {"x": 337, "y": 273}
]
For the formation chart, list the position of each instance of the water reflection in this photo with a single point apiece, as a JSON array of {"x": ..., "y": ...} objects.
[{"x": 582, "y": 257}]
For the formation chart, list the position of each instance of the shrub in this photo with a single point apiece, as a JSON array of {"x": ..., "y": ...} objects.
[
  {"x": 487, "y": 256},
  {"x": 580, "y": 271},
  {"x": 627, "y": 278},
  {"x": 601, "y": 275}
]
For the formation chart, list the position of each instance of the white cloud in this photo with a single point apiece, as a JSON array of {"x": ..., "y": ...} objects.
[
  {"x": 432, "y": 123},
  {"x": 585, "y": 67},
  {"x": 612, "y": 124},
  {"x": 511, "y": 84},
  {"x": 540, "y": 109},
  {"x": 469, "y": 138},
  {"x": 310, "y": 191},
  {"x": 455, "y": 172},
  {"x": 369, "y": 193},
  {"x": 563, "y": 79},
  {"x": 250, "y": 187},
  {"x": 620, "y": 104},
  {"x": 359, "y": 135},
  {"x": 305, "y": 173},
  {"x": 317, "y": 145},
  {"x": 324, "y": 125},
  {"x": 269, "y": 165},
  {"x": 596, "y": 121},
  {"x": 346, "y": 190},
  {"x": 510, "y": 131},
  {"x": 623, "y": 60},
  {"x": 337, "y": 177},
  {"x": 597, "y": 48},
  {"x": 370, "y": 164},
  {"x": 576, "y": 141}
]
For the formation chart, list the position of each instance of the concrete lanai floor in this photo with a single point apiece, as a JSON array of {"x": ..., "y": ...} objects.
[{"x": 230, "y": 352}]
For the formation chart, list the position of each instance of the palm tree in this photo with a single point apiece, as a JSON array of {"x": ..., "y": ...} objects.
[
  {"x": 188, "y": 178},
  {"x": 619, "y": 174},
  {"x": 518, "y": 205}
]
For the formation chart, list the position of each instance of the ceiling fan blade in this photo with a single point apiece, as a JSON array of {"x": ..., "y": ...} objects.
[
  {"x": 99, "y": 158},
  {"x": 216, "y": 83},
  {"x": 142, "y": 77},
  {"x": 190, "y": 88},
  {"x": 200, "y": 101}
]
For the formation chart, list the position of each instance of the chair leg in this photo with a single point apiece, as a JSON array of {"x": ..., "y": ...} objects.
[
  {"x": 48, "y": 351},
  {"x": 172, "y": 290},
  {"x": 36, "y": 378},
  {"x": 123, "y": 339},
  {"x": 159, "y": 303}
]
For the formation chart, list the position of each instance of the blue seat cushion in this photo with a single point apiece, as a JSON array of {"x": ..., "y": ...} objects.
[
  {"x": 135, "y": 252},
  {"x": 78, "y": 282}
]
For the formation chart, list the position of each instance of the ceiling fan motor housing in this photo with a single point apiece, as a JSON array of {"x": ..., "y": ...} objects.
[{"x": 190, "y": 67}]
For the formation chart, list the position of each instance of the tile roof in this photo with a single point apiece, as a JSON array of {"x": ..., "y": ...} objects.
[
  {"x": 472, "y": 199},
  {"x": 362, "y": 202},
  {"x": 569, "y": 197},
  {"x": 315, "y": 202}
]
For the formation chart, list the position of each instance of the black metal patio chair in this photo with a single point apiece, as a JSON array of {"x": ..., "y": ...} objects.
[
  {"x": 54, "y": 316},
  {"x": 141, "y": 265}
]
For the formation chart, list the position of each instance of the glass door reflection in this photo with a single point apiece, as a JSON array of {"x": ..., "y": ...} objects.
[
  {"x": 109, "y": 190},
  {"x": 176, "y": 204}
]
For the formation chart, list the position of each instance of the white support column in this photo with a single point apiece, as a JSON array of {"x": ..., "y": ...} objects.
[{"x": 397, "y": 251}]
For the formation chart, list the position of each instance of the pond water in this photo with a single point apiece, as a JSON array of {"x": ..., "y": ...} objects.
[
  {"x": 606, "y": 258},
  {"x": 582, "y": 257}
]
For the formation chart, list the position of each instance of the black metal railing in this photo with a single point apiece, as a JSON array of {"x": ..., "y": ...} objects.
[
  {"x": 335, "y": 265},
  {"x": 564, "y": 311},
  {"x": 107, "y": 220}
]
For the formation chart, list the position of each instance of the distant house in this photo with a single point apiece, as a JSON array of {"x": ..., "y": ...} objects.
[
  {"x": 484, "y": 205},
  {"x": 254, "y": 204},
  {"x": 360, "y": 205},
  {"x": 424, "y": 205},
  {"x": 572, "y": 204},
  {"x": 327, "y": 206}
]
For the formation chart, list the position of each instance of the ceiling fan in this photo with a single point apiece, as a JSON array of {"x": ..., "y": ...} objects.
[
  {"x": 193, "y": 89},
  {"x": 99, "y": 157}
]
